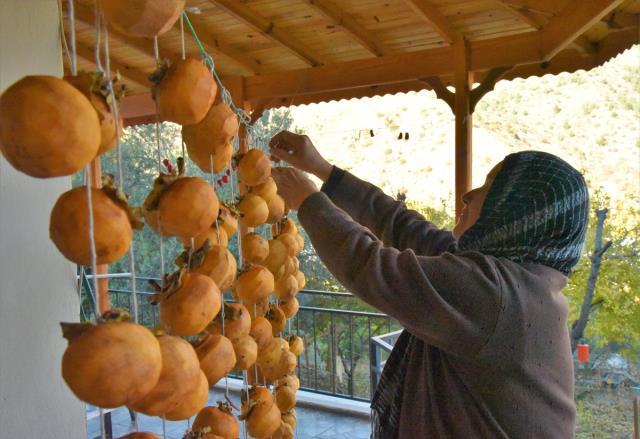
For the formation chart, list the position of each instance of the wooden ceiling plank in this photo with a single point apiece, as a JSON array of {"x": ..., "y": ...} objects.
[
  {"x": 512, "y": 50},
  {"x": 222, "y": 47},
  {"x": 573, "y": 21},
  {"x": 86, "y": 52},
  {"x": 434, "y": 18},
  {"x": 266, "y": 28},
  {"x": 520, "y": 15},
  {"x": 348, "y": 24}
]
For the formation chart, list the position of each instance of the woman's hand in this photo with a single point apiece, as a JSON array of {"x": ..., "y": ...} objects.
[
  {"x": 298, "y": 151},
  {"x": 293, "y": 186}
]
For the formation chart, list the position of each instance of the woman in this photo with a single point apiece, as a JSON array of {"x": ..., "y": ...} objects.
[{"x": 486, "y": 350}]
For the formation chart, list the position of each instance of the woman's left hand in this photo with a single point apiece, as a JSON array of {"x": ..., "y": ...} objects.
[{"x": 293, "y": 186}]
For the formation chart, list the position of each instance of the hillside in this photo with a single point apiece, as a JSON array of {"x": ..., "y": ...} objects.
[{"x": 591, "y": 119}]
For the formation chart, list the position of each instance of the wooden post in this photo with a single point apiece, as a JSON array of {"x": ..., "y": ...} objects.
[
  {"x": 103, "y": 284},
  {"x": 463, "y": 82}
]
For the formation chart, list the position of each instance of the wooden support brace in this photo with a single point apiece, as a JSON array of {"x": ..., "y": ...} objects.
[
  {"x": 487, "y": 84},
  {"x": 441, "y": 91}
]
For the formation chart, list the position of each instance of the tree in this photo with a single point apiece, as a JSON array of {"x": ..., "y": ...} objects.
[
  {"x": 578, "y": 326},
  {"x": 613, "y": 316}
]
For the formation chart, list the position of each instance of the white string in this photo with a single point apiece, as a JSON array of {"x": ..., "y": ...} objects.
[
  {"x": 156, "y": 53},
  {"x": 97, "y": 36},
  {"x": 156, "y": 49},
  {"x": 245, "y": 386},
  {"x": 72, "y": 39},
  {"x": 164, "y": 427},
  {"x": 92, "y": 245},
  {"x": 182, "y": 48},
  {"x": 222, "y": 313},
  {"x": 63, "y": 37}
]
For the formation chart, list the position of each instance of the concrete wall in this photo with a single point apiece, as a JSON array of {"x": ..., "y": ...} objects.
[{"x": 36, "y": 283}]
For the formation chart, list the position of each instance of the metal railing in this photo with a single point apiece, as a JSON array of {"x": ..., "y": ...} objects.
[
  {"x": 337, "y": 360},
  {"x": 379, "y": 349}
]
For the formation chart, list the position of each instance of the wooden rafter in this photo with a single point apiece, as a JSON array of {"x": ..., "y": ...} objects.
[
  {"x": 218, "y": 46},
  {"x": 348, "y": 24},
  {"x": 85, "y": 51},
  {"x": 520, "y": 15},
  {"x": 572, "y": 22},
  {"x": 434, "y": 18},
  {"x": 266, "y": 28}
]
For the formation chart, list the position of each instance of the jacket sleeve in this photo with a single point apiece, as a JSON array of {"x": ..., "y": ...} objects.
[
  {"x": 388, "y": 219},
  {"x": 449, "y": 301}
]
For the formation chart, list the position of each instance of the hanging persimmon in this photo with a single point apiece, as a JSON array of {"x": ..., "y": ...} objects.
[
  {"x": 254, "y": 167},
  {"x": 266, "y": 190},
  {"x": 181, "y": 206},
  {"x": 290, "y": 308},
  {"x": 142, "y": 18},
  {"x": 296, "y": 345},
  {"x": 180, "y": 374},
  {"x": 133, "y": 367},
  {"x": 184, "y": 91},
  {"x": 218, "y": 420},
  {"x": 253, "y": 211},
  {"x": 285, "y": 398},
  {"x": 246, "y": 350},
  {"x": 95, "y": 88},
  {"x": 254, "y": 284},
  {"x": 188, "y": 302},
  {"x": 113, "y": 223},
  {"x": 216, "y": 356},
  {"x": 237, "y": 322},
  {"x": 193, "y": 402},
  {"x": 255, "y": 248},
  {"x": 261, "y": 331},
  {"x": 47, "y": 127}
]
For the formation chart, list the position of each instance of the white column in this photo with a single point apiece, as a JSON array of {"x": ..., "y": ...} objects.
[{"x": 36, "y": 283}]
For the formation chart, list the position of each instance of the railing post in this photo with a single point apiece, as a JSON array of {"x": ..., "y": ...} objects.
[{"x": 374, "y": 366}]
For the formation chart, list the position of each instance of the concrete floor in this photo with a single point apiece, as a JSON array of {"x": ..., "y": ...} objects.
[{"x": 312, "y": 423}]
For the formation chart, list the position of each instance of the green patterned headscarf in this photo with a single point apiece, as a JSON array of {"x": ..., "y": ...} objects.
[{"x": 536, "y": 211}]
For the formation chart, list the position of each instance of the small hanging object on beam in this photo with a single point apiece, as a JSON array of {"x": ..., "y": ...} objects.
[
  {"x": 371, "y": 133},
  {"x": 400, "y": 136},
  {"x": 406, "y": 136}
]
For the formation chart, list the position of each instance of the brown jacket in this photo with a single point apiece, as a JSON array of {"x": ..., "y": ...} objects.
[{"x": 494, "y": 359}]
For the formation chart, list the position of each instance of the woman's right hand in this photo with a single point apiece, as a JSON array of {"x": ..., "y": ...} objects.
[{"x": 298, "y": 151}]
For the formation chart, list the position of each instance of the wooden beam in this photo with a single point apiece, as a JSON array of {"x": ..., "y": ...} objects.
[
  {"x": 266, "y": 28},
  {"x": 463, "y": 80},
  {"x": 138, "y": 109},
  {"x": 348, "y": 24},
  {"x": 520, "y": 15},
  {"x": 429, "y": 13},
  {"x": 354, "y": 93},
  {"x": 401, "y": 67},
  {"x": 573, "y": 21},
  {"x": 85, "y": 50}
]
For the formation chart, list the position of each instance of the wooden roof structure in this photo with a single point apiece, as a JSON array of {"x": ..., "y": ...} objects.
[{"x": 274, "y": 53}]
